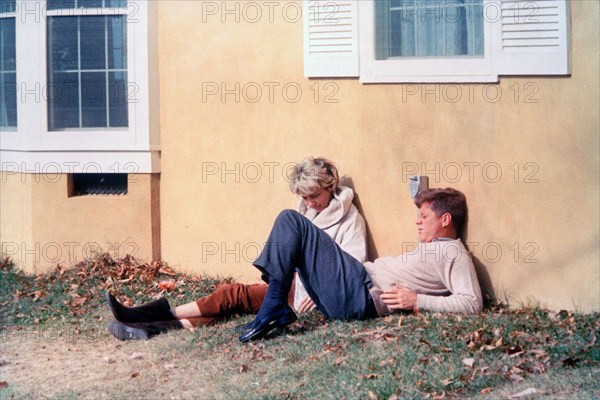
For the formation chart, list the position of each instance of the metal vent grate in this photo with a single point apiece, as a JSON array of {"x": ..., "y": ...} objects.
[{"x": 98, "y": 184}]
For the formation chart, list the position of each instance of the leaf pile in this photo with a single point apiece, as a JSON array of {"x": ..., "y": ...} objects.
[{"x": 77, "y": 294}]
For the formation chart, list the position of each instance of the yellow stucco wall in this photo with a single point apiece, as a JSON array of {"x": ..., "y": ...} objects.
[
  {"x": 41, "y": 226},
  {"x": 525, "y": 151},
  {"x": 236, "y": 112}
]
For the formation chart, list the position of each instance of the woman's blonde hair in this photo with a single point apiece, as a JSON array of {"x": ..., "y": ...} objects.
[{"x": 312, "y": 174}]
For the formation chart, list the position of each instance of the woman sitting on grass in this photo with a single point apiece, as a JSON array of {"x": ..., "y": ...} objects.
[{"x": 326, "y": 204}]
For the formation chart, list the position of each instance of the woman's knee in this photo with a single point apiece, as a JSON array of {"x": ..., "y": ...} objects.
[
  {"x": 288, "y": 215},
  {"x": 289, "y": 218}
]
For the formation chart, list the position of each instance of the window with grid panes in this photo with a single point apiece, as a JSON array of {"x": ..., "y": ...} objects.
[
  {"x": 8, "y": 65},
  {"x": 87, "y": 66}
]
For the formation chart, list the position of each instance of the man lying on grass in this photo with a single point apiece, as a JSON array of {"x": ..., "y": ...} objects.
[{"x": 438, "y": 275}]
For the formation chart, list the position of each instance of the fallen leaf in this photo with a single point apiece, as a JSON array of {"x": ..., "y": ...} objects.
[
  {"x": 372, "y": 395},
  {"x": 516, "y": 378},
  {"x": 525, "y": 393},
  {"x": 38, "y": 294},
  {"x": 386, "y": 362},
  {"x": 3, "y": 384},
  {"x": 486, "y": 390},
  {"x": 340, "y": 360},
  {"x": 136, "y": 356},
  {"x": 516, "y": 370},
  {"x": 135, "y": 375},
  {"x": 243, "y": 368},
  {"x": 78, "y": 301},
  {"x": 440, "y": 396},
  {"x": 539, "y": 367},
  {"x": 468, "y": 362},
  {"x": 167, "y": 285}
]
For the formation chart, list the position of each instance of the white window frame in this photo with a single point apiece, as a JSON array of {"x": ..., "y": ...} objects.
[
  {"x": 419, "y": 69},
  {"x": 521, "y": 37},
  {"x": 8, "y": 15},
  {"x": 32, "y": 147}
]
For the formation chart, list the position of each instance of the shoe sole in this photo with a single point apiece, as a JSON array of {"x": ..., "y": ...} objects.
[
  {"x": 124, "y": 332},
  {"x": 250, "y": 336}
]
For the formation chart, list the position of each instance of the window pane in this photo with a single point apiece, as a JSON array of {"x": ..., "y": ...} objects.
[
  {"x": 116, "y": 3},
  {"x": 117, "y": 86},
  {"x": 89, "y": 62},
  {"x": 8, "y": 97},
  {"x": 93, "y": 99},
  {"x": 424, "y": 28},
  {"x": 117, "y": 43},
  {"x": 90, "y": 3},
  {"x": 93, "y": 45},
  {"x": 7, "y": 6},
  {"x": 8, "y": 83},
  {"x": 62, "y": 36},
  {"x": 58, "y": 4},
  {"x": 63, "y": 96},
  {"x": 7, "y": 44}
]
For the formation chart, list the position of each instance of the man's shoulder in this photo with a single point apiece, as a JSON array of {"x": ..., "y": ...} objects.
[{"x": 451, "y": 250}]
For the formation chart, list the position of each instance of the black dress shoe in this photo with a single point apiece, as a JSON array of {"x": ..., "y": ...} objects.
[{"x": 278, "y": 319}]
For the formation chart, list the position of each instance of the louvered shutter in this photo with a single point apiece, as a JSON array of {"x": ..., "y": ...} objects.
[
  {"x": 532, "y": 38},
  {"x": 331, "y": 38}
]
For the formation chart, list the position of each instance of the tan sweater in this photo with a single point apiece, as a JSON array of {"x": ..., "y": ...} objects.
[{"x": 441, "y": 273}]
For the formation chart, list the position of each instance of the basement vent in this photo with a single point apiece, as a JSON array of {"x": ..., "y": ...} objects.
[{"x": 97, "y": 184}]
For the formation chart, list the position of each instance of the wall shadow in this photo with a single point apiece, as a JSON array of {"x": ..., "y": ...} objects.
[
  {"x": 483, "y": 276},
  {"x": 372, "y": 252}
]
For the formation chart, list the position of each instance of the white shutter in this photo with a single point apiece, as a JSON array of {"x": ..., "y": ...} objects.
[
  {"x": 531, "y": 37},
  {"x": 331, "y": 38}
]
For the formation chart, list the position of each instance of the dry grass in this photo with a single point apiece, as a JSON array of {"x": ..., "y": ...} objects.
[{"x": 54, "y": 345}]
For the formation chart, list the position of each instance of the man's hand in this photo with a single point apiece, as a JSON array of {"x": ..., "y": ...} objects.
[
  {"x": 306, "y": 305},
  {"x": 399, "y": 298}
]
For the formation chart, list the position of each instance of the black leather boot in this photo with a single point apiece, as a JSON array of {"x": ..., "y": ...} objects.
[
  {"x": 141, "y": 330},
  {"x": 158, "y": 310}
]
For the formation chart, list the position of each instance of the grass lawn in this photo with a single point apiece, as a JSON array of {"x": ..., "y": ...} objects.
[{"x": 54, "y": 344}]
